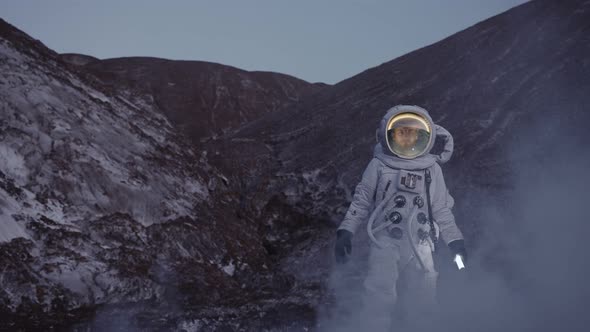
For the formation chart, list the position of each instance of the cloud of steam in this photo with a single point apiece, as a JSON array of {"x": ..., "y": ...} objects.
[{"x": 529, "y": 270}]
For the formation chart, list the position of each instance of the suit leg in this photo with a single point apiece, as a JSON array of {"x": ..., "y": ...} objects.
[
  {"x": 380, "y": 288},
  {"x": 421, "y": 299}
]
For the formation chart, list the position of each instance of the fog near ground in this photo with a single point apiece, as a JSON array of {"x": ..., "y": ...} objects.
[{"x": 528, "y": 270}]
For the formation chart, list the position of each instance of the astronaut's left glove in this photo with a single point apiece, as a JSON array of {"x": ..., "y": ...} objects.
[
  {"x": 343, "y": 246},
  {"x": 458, "y": 248}
]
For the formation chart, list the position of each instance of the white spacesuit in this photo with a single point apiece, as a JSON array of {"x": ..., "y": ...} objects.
[{"x": 393, "y": 197}]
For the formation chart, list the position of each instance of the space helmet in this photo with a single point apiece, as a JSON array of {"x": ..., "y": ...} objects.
[{"x": 408, "y": 131}]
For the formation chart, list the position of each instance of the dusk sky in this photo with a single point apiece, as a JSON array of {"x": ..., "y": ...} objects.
[{"x": 318, "y": 41}]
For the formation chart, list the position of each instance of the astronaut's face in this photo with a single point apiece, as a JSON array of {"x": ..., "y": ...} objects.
[
  {"x": 405, "y": 137},
  {"x": 408, "y": 135}
]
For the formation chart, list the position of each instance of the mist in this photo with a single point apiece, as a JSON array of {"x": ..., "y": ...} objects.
[{"x": 527, "y": 267}]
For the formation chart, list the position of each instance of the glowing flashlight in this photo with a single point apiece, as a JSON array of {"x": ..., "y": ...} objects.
[{"x": 459, "y": 261}]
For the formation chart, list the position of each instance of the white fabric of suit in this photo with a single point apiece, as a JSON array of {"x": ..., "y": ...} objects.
[{"x": 397, "y": 259}]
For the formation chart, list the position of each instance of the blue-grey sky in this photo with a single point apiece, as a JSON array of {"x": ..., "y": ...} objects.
[{"x": 316, "y": 40}]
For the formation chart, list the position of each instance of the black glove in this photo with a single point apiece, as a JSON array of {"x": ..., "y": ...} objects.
[
  {"x": 343, "y": 246},
  {"x": 458, "y": 247}
]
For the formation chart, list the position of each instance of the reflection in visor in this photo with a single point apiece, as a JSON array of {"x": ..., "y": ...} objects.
[{"x": 408, "y": 135}]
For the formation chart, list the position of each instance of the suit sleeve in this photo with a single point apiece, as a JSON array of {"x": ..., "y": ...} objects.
[
  {"x": 442, "y": 203},
  {"x": 364, "y": 198}
]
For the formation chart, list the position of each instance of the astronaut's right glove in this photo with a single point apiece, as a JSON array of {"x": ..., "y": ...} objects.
[
  {"x": 343, "y": 246},
  {"x": 458, "y": 248}
]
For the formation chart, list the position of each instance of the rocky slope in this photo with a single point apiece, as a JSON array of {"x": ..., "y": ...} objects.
[
  {"x": 489, "y": 85},
  {"x": 512, "y": 90},
  {"x": 77, "y": 59},
  {"x": 205, "y": 100},
  {"x": 104, "y": 205}
]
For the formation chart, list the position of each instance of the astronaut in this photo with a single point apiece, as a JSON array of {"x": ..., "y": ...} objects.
[{"x": 404, "y": 200}]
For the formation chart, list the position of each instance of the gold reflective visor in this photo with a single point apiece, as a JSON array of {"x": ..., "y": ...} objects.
[{"x": 409, "y": 118}]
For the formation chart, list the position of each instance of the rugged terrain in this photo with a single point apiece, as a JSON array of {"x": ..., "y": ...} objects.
[
  {"x": 124, "y": 184},
  {"x": 203, "y": 99},
  {"x": 104, "y": 203}
]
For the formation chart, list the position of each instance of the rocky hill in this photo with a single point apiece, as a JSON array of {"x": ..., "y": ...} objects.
[
  {"x": 513, "y": 91},
  {"x": 490, "y": 85},
  {"x": 104, "y": 204},
  {"x": 203, "y": 99},
  {"x": 237, "y": 220}
]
